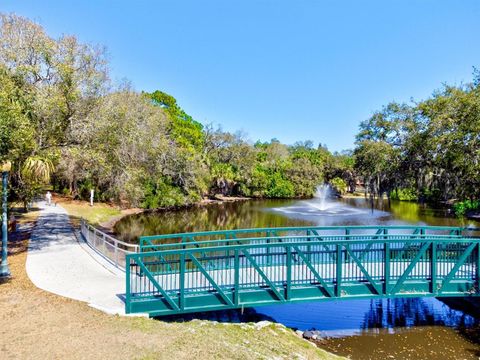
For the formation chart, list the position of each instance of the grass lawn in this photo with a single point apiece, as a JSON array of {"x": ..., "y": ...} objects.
[
  {"x": 95, "y": 215},
  {"x": 36, "y": 324}
]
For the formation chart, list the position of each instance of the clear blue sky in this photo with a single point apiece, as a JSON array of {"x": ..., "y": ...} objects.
[{"x": 293, "y": 70}]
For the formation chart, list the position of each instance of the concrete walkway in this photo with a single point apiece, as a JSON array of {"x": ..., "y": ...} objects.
[{"x": 63, "y": 264}]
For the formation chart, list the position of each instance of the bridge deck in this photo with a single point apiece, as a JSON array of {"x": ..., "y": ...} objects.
[{"x": 196, "y": 281}]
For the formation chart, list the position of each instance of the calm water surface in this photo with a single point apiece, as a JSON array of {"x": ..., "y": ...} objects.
[{"x": 422, "y": 328}]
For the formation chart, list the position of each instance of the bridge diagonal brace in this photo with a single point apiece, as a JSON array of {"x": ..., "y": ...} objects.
[
  {"x": 142, "y": 242},
  {"x": 411, "y": 266},
  {"x": 210, "y": 280},
  {"x": 262, "y": 275},
  {"x": 157, "y": 262},
  {"x": 379, "y": 232},
  {"x": 317, "y": 235},
  {"x": 325, "y": 247},
  {"x": 162, "y": 258},
  {"x": 157, "y": 285},
  {"x": 363, "y": 270},
  {"x": 407, "y": 246},
  {"x": 191, "y": 240},
  {"x": 235, "y": 239},
  {"x": 457, "y": 266},
  {"x": 314, "y": 271},
  {"x": 365, "y": 251},
  {"x": 416, "y": 232},
  {"x": 369, "y": 246}
]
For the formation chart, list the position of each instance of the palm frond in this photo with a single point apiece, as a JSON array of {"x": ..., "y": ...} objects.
[{"x": 37, "y": 168}]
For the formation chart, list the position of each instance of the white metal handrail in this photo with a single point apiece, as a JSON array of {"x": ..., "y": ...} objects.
[{"x": 106, "y": 245}]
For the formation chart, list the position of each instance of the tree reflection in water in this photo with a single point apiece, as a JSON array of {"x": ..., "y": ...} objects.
[
  {"x": 258, "y": 213},
  {"x": 223, "y": 216}
]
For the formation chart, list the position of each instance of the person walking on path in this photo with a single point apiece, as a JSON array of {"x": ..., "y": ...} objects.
[
  {"x": 49, "y": 198},
  {"x": 12, "y": 224}
]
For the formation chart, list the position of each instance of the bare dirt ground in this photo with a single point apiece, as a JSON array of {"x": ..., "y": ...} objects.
[{"x": 35, "y": 324}]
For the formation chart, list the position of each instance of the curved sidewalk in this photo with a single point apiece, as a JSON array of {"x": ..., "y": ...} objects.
[{"x": 60, "y": 263}]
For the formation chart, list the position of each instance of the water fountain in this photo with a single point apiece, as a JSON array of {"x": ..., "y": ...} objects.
[
  {"x": 321, "y": 197},
  {"x": 324, "y": 209}
]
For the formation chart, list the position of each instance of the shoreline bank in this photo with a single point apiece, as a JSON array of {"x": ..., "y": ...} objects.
[{"x": 112, "y": 214}]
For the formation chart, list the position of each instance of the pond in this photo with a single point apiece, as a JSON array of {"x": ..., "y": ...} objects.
[{"x": 425, "y": 328}]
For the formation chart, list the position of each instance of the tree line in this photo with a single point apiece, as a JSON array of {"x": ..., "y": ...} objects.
[
  {"x": 63, "y": 122},
  {"x": 427, "y": 151}
]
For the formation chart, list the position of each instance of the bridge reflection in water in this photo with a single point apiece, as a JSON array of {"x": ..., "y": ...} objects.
[
  {"x": 408, "y": 312},
  {"x": 182, "y": 273}
]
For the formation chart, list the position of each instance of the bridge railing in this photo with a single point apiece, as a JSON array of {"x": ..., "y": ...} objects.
[
  {"x": 226, "y": 237},
  {"x": 192, "y": 278},
  {"x": 106, "y": 245}
]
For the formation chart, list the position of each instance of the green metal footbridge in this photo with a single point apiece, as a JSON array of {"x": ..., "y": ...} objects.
[{"x": 204, "y": 271}]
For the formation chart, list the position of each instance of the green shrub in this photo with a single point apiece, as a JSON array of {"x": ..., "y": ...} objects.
[
  {"x": 339, "y": 185},
  {"x": 162, "y": 194},
  {"x": 431, "y": 195},
  {"x": 407, "y": 194},
  {"x": 279, "y": 187},
  {"x": 462, "y": 207}
]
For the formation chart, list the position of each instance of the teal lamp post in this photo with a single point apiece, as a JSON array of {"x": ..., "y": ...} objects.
[{"x": 4, "y": 269}]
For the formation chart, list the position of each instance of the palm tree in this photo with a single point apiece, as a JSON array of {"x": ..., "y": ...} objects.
[
  {"x": 33, "y": 173},
  {"x": 37, "y": 169}
]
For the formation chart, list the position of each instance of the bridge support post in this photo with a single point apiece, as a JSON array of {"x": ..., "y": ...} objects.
[
  {"x": 127, "y": 285},
  {"x": 309, "y": 247},
  {"x": 236, "y": 295},
  {"x": 268, "y": 248},
  {"x": 433, "y": 267},
  {"x": 4, "y": 269},
  {"x": 288, "y": 250},
  {"x": 387, "y": 268},
  {"x": 181, "y": 298},
  {"x": 339, "y": 271},
  {"x": 478, "y": 269}
]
